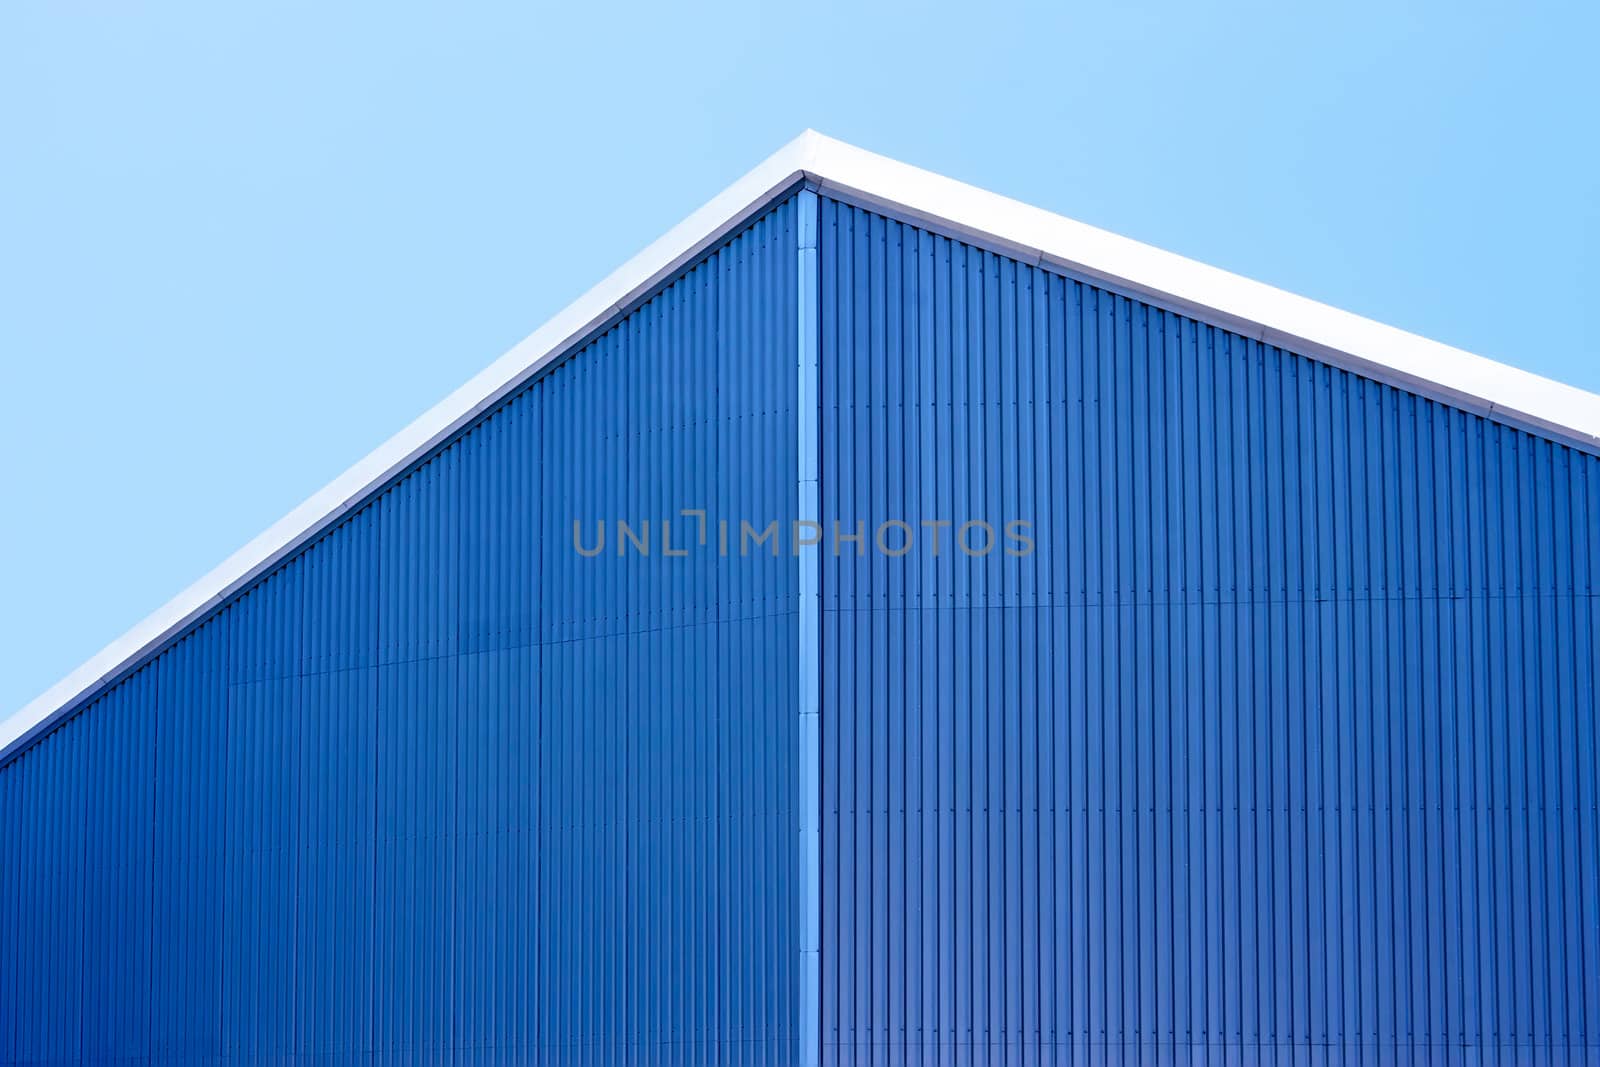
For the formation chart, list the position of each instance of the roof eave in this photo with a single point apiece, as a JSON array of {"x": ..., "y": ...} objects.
[
  {"x": 1031, "y": 234},
  {"x": 657, "y": 262},
  {"x": 1251, "y": 308}
]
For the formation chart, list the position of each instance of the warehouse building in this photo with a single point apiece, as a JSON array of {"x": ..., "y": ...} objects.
[{"x": 1269, "y": 738}]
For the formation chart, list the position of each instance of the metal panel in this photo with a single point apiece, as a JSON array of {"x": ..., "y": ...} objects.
[
  {"x": 438, "y": 786},
  {"x": 808, "y": 665},
  {"x": 1280, "y": 747}
]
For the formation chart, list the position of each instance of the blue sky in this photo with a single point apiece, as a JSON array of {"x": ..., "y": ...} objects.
[{"x": 241, "y": 245}]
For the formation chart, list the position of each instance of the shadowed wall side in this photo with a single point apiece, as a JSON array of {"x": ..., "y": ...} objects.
[{"x": 1279, "y": 745}]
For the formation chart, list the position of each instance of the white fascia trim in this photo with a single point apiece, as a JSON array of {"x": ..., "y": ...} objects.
[
  {"x": 1033, "y": 235},
  {"x": 1271, "y": 315},
  {"x": 634, "y": 279}
]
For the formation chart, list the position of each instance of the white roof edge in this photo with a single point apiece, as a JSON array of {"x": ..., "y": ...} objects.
[
  {"x": 1218, "y": 296},
  {"x": 658, "y": 261},
  {"x": 1280, "y": 318}
]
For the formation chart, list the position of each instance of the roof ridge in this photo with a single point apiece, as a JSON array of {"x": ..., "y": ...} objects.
[{"x": 1272, "y": 315}]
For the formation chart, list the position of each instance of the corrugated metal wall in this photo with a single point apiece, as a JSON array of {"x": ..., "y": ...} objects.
[
  {"x": 1280, "y": 748},
  {"x": 440, "y": 789}
]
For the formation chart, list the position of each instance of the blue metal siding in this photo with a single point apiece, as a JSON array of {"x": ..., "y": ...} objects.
[
  {"x": 439, "y": 787},
  {"x": 808, "y": 650},
  {"x": 1279, "y": 748}
]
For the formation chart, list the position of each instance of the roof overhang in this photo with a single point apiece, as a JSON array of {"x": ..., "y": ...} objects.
[{"x": 1030, "y": 234}]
